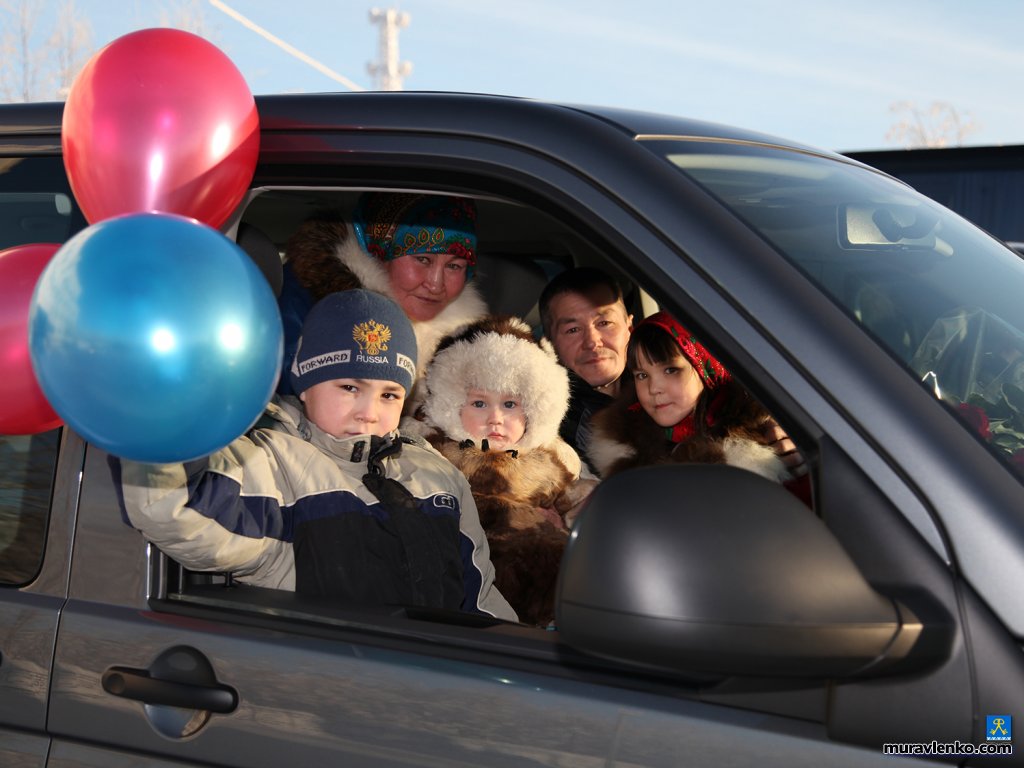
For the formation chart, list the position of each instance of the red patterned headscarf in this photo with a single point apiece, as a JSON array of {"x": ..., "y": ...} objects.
[{"x": 711, "y": 372}]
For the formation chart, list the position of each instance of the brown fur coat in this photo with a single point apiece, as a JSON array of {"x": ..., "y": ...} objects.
[
  {"x": 519, "y": 496},
  {"x": 623, "y": 438}
]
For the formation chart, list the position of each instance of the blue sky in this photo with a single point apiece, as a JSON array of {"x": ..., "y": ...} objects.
[{"x": 822, "y": 72}]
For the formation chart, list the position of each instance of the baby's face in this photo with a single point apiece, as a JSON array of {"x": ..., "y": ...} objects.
[{"x": 495, "y": 417}]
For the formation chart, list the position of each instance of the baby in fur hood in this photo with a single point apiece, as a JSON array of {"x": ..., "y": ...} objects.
[
  {"x": 680, "y": 404},
  {"x": 495, "y": 398}
]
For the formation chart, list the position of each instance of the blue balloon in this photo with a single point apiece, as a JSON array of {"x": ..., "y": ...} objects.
[{"x": 155, "y": 337}]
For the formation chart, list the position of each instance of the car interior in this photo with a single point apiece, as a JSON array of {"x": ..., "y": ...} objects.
[{"x": 520, "y": 247}]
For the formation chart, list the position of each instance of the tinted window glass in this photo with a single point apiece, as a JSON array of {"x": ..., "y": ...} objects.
[
  {"x": 36, "y": 204},
  {"x": 984, "y": 184},
  {"x": 26, "y": 481},
  {"x": 941, "y": 295}
]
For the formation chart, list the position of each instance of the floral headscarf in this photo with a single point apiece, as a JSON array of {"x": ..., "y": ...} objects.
[
  {"x": 712, "y": 373},
  {"x": 389, "y": 225}
]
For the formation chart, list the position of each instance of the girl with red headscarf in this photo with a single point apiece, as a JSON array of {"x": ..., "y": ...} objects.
[{"x": 679, "y": 404}]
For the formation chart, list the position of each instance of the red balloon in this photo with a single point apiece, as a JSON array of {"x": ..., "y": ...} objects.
[
  {"x": 24, "y": 409},
  {"x": 160, "y": 120}
]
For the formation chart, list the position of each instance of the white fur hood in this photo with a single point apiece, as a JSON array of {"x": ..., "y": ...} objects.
[{"x": 499, "y": 355}]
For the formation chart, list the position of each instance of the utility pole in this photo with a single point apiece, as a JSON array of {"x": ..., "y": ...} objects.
[{"x": 387, "y": 72}]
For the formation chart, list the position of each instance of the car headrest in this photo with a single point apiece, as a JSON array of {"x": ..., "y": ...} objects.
[
  {"x": 262, "y": 250},
  {"x": 511, "y": 284}
]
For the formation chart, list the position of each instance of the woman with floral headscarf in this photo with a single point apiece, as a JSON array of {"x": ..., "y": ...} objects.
[
  {"x": 680, "y": 404},
  {"x": 419, "y": 250}
]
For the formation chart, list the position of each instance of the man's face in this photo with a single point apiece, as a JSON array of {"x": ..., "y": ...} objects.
[
  {"x": 348, "y": 407},
  {"x": 590, "y": 334}
]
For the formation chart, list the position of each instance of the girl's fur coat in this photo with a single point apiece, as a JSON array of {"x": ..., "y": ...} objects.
[{"x": 729, "y": 429}]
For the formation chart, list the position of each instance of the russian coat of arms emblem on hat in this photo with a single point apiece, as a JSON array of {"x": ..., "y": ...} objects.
[{"x": 372, "y": 337}]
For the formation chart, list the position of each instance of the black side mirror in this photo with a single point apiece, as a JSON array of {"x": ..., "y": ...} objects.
[{"x": 713, "y": 570}]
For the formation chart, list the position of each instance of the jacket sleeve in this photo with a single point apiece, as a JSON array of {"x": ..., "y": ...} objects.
[
  {"x": 481, "y": 595},
  {"x": 219, "y": 514}
]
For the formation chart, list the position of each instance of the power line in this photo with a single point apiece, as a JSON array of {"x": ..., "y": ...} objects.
[{"x": 289, "y": 49}]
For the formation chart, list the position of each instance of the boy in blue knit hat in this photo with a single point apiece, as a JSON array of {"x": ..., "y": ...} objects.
[{"x": 329, "y": 500}]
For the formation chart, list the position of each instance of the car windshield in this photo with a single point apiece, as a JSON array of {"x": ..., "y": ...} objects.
[{"x": 940, "y": 294}]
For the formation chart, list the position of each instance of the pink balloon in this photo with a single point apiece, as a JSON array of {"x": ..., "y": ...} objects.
[
  {"x": 24, "y": 409},
  {"x": 160, "y": 120}
]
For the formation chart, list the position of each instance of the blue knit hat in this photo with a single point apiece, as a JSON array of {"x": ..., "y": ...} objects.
[
  {"x": 355, "y": 335},
  {"x": 393, "y": 224}
]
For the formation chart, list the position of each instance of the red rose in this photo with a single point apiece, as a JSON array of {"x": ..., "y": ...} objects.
[
  {"x": 460, "y": 251},
  {"x": 976, "y": 417}
]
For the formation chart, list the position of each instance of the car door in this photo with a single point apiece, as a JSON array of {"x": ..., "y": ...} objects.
[
  {"x": 37, "y": 489},
  {"x": 35, "y": 530},
  {"x": 307, "y": 685},
  {"x": 899, "y": 480}
]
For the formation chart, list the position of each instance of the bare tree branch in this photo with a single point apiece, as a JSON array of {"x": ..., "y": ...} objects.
[
  {"x": 70, "y": 46},
  {"x": 941, "y": 125},
  {"x": 37, "y": 68},
  {"x": 187, "y": 15},
  {"x": 19, "y": 75}
]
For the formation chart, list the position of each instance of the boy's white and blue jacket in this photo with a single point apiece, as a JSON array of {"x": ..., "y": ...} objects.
[{"x": 286, "y": 507}]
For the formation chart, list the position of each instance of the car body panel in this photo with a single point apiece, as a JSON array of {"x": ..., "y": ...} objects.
[{"x": 386, "y": 702}]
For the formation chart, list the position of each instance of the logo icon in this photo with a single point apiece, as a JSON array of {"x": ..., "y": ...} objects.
[
  {"x": 998, "y": 728},
  {"x": 372, "y": 337},
  {"x": 444, "y": 501}
]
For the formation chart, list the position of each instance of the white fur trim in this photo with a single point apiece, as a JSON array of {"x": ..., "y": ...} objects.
[
  {"x": 567, "y": 456},
  {"x": 603, "y": 451},
  {"x": 758, "y": 458},
  {"x": 502, "y": 363}
]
